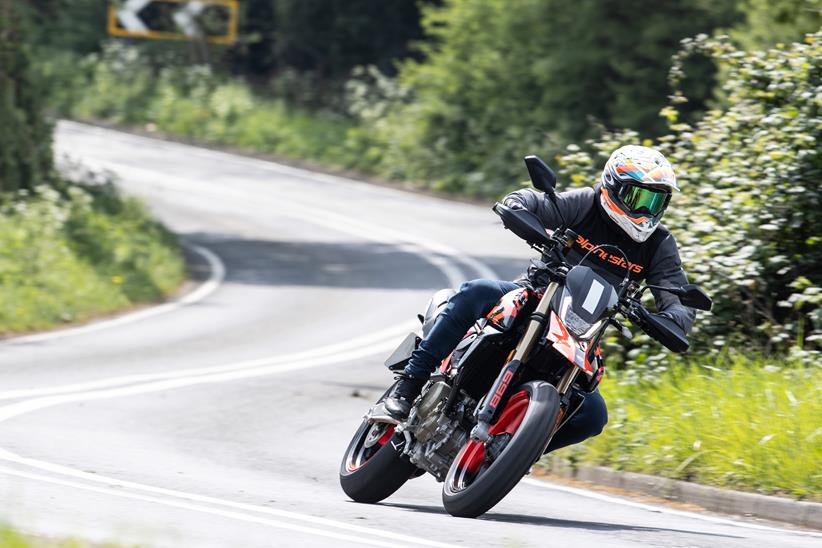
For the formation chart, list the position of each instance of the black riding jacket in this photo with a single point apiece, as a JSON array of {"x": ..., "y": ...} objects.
[{"x": 655, "y": 260}]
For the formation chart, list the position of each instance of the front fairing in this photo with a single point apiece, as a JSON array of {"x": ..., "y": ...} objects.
[
  {"x": 572, "y": 349},
  {"x": 579, "y": 313}
]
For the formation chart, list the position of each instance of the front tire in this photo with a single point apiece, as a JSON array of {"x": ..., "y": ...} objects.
[{"x": 475, "y": 483}]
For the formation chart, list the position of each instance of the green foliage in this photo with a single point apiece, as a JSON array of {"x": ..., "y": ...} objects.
[
  {"x": 739, "y": 421},
  {"x": 748, "y": 220},
  {"x": 121, "y": 86},
  {"x": 73, "y": 251},
  {"x": 77, "y": 26},
  {"x": 500, "y": 79},
  {"x": 331, "y": 38},
  {"x": 9, "y": 538},
  {"x": 25, "y": 139},
  {"x": 769, "y": 22}
]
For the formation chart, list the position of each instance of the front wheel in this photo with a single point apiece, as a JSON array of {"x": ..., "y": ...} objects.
[{"x": 483, "y": 473}]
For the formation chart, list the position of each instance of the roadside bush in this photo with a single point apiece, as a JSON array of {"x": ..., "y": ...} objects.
[
  {"x": 121, "y": 86},
  {"x": 73, "y": 251},
  {"x": 737, "y": 421}
]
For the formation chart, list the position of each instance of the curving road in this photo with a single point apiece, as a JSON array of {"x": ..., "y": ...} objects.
[{"x": 220, "y": 420}]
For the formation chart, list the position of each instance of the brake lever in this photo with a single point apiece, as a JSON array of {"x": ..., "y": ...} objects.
[
  {"x": 623, "y": 329},
  {"x": 630, "y": 312}
]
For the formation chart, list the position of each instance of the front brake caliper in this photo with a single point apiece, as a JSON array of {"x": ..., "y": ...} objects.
[{"x": 496, "y": 445}]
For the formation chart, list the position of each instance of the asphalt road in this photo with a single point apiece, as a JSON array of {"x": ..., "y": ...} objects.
[{"x": 221, "y": 420}]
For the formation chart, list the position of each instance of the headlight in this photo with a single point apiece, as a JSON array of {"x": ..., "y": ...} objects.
[{"x": 576, "y": 325}]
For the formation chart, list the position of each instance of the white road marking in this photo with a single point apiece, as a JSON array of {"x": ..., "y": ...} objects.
[
  {"x": 231, "y": 372},
  {"x": 388, "y": 335},
  {"x": 177, "y": 499},
  {"x": 216, "y": 277},
  {"x": 660, "y": 509},
  {"x": 368, "y": 345}
]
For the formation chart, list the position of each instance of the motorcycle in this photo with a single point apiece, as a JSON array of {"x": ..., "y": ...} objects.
[{"x": 516, "y": 378}]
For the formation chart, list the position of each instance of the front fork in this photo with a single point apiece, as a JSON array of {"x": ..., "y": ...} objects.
[{"x": 536, "y": 326}]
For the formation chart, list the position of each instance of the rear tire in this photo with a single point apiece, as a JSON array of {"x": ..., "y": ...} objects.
[
  {"x": 370, "y": 474},
  {"x": 475, "y": 496}
]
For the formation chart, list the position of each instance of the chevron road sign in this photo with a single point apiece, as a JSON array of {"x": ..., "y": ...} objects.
[{"x": 214, "y": 21}]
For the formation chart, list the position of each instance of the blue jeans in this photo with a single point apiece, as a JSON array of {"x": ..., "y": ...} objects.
[{"x": 473, "y": 301}]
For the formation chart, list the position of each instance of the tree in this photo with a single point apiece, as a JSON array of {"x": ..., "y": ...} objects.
[
  {"x": 501, "y": 78},
  {"x": 308, "y": 48},
  {"x": 25, "y": 139}
]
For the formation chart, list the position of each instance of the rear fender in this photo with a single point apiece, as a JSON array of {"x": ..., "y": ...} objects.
[
  {"x": 435, "y": 306},
  {"x": 399, "y": 358}
]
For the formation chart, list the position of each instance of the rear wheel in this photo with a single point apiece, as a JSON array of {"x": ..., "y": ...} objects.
[
  {"x": 372, "y": 468},
  {"x": 483, "y": 473}
]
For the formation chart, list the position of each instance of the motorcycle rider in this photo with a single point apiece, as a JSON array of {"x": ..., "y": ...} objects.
[{"x": 623, "y": 209}]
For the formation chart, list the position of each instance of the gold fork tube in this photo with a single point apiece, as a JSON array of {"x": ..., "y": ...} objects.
[
  {"x": 567, "y": 380},
  {"x": 534, "y": 330}
]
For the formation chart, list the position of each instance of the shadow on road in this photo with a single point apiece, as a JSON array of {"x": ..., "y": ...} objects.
[
  {"x": 555, "y": 522},
  {"x": 330, "y": 264}
]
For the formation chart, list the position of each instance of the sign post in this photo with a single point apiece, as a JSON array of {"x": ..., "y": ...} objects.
[{"x": 214, "y": 21}]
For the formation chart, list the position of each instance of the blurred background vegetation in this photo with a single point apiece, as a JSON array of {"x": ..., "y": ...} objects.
[
  {"x": 448, "y": 95},
  {"x": 71, "y": 247}
]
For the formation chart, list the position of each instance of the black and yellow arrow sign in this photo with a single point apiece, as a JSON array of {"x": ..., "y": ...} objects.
[{"x": 214, "y": 21}]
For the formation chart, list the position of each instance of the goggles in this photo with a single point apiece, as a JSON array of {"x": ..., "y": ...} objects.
[{"x": 644, "y": 200}]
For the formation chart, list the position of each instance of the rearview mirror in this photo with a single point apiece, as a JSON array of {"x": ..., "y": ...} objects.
[
  {"x": 691, "y": 295},
  {"x": 542, "y": 176},
  {"x": 523, "y": 223}
]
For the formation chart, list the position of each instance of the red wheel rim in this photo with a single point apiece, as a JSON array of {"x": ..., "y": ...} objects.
[
  {"x": 471, "y": 458},
  {"x": 361, "y": 454}
]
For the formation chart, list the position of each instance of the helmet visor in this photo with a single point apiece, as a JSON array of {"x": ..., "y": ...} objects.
[{"x": 644, "y": 200}]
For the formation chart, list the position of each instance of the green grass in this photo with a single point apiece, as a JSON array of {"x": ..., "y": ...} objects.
[
  {"x": 76, "y": 252},
  {"x": 742, "y": 423},
  {"x": 9, "y": 538}
]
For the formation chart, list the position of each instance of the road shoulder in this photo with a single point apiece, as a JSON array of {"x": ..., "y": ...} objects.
[{"x": 685, "y": 495}]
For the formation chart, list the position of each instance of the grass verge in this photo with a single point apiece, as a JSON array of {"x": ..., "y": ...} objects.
[
  {"x": 73, "y": 251},
  {"x": 739, "y": 422},
  {"x": 10, "y": 538}
]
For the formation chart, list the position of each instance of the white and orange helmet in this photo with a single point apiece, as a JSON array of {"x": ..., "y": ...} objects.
[{"x": 637, "y": 183}]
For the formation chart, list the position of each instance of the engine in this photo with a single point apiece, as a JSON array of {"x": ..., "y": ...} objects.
[{"x": 438, "y": 438}]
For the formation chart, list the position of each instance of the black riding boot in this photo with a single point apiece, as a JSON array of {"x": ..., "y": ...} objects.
[{"x": 398, "y": 403}]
